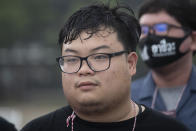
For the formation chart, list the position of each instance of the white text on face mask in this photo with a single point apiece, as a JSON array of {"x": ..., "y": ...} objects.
[{"x": 163, "y": 49}]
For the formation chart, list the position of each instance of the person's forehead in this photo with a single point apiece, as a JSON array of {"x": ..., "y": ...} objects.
[
  {"x": 104, "y": 39},
  {"x": 159, "y": 17}
]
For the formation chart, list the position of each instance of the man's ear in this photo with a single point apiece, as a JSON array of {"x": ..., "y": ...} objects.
[
  {"x": 132, "y": 61},
  {"x": 193, "y": 44}
]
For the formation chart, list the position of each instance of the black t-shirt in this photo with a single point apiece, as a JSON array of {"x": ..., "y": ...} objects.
[
  {"x": 6, "y": 126},
  {"x": 148, "y": 120}
]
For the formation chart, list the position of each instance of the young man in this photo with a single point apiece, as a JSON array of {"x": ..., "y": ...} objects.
[
  {"x": 167, "y": 43},
  {"x": 98, "y": 60}
]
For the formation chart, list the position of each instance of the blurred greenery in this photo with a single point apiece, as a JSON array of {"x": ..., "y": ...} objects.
[{"x": 24, "y": 21}]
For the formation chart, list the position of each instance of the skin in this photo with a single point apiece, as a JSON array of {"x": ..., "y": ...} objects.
[
  {"x": 178, "y": 72},
  {"x": 100, "y": 96}
]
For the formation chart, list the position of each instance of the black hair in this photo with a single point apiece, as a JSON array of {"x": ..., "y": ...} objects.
[
  {"x": 89, "y": 19},
  {"x": 182, "y": 10}
]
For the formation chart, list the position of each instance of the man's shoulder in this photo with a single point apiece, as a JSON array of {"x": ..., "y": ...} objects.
[
  {"x": 141, "y": 82},
  {"x": 138, "y": 82},
  {"x": 6, "y": 126},
  {"x": 157, "y": 120},
  {"x": 136, "y": 88},
  {"x": 194, "y": 71},
  {"x": 142, "y": 79},
  {"x": 48, "y": 121}
]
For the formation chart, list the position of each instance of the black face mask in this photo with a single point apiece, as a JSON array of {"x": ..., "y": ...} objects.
[{"x": 158, "y": 51}]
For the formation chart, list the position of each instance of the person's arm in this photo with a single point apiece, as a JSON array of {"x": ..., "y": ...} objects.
[{"x": 6, "y": 126}]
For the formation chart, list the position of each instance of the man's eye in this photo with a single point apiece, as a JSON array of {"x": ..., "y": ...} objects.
[
  {"x": 145, "y": 30},
  {"x": 71, "y": 60},
  {"x": 161, "y": 27},
  {"x": 100, "y": 57}
]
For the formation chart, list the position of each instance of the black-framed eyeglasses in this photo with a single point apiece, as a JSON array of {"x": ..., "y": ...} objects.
[
  {"x": 159, "y": 28},
  {"x": 96, "y": 62}
]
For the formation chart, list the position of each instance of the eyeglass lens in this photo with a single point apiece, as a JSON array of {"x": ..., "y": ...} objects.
[
  {"x": 96, "y": 62},
  {"x": 160, "y": 28}
]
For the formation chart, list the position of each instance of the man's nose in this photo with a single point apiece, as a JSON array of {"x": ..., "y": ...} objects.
[
  {"x": 151, "y": 30},
  {"x": 85, "y": 69}
]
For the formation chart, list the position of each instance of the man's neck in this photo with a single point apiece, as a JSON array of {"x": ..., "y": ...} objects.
[
  {"x": 126, "y": 112},
  {"x": 173, "y": 75}
]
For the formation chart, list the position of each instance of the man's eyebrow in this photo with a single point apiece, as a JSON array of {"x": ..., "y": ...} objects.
[
  {"x": 93, "y": 50},
  {"x": 70, "y": 51},
  {"x": 100, "y": 47}
]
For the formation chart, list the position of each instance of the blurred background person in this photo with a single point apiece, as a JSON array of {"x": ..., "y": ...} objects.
[{"x": 167, "y": 45}]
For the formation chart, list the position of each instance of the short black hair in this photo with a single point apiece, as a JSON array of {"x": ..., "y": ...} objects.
[
  {"x": 182, "y": 10},
  {"x": 120, "y": 18}
]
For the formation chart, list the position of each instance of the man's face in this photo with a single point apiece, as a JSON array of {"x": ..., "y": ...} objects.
[
  {"x": 88, "y": 91},
  {"x": 163, "y": 17}
]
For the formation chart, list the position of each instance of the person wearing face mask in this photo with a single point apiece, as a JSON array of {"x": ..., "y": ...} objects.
[{"x": 167, "y": 45}]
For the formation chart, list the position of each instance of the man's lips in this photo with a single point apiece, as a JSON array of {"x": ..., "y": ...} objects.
[{"x": 86, "y": 85}]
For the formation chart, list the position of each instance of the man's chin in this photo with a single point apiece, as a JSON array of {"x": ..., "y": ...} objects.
[{"x": 88, "y": 107}]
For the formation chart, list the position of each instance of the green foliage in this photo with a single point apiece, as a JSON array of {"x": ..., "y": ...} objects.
[{"x": 23, "y": 22}]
